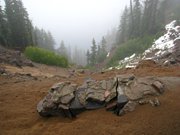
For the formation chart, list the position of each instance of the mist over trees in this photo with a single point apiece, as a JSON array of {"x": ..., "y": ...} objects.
[
  {"x": 146, "y": 18},
  {"x": 17, "y": 31},
  {"x": 98, "y": 53},
  {"x": 4, "y": 31},
  {"x": 43, "y": 39},
  {"x": 62, "y": 50},
  {"x": 74, "y": 54},
  {"x": 140, "y": 24},
  {"x": 19, "y": 25},
  {"x": 78, "y": 56},
  {"x": 15, "y": 26}
]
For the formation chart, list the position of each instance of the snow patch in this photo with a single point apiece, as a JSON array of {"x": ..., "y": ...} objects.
[
  {"x": 171, "y": 25},
  {"x": 108, "y": 54},
  {"x": 166, "y": 42}
]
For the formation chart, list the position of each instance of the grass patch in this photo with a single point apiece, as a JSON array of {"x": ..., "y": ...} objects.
[
  {"x": 44, "y": 56},
  {"x": 137, "y": 46}
]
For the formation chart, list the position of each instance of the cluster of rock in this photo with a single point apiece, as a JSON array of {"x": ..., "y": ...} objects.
[
  {"x": 14, "y": 58},
  {"x": 119, "y": 94},
  {"x": 166, "y": 50},
  {"x": 2, "y": 71}
]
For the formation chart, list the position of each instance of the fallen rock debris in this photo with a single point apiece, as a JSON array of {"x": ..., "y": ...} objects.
[
  {"x": 15, "y": 58},
  {"x": 120, "y": 94}
]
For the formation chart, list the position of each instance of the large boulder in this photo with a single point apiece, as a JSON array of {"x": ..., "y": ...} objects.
[
  {"x": 94, "y": 94},
  {"x": 58, "y": 99},
  {"x": 120, "y": 94},
  {"x": 138, "y": 88}
]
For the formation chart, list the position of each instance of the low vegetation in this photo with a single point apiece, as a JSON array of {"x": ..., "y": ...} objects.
[
  {"x": 137, "y": 46},
  {"x": 43, "y": 56}
]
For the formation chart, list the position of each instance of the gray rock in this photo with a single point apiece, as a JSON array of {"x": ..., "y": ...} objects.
[
  {"x": 143, "y": 102},
  {"x": 130, "y": 106},
  {"x": 111, "y": 106},
  {"x": 158, "y": 86},
  {"x": 66, "y": 90},
  {"x": 61, "y": 106},
  {"x": 81, "y": 94},
  {"x": 140, "y": 88},
  {"x": 155, "y": 102},
  {"x": 75, "y": 104},
  {"x": 41, "y": 110},
  {"x": 40, "y": 106},
  {"x": 111, "y": 89},
  {"x": 63, "y": 92},
  {"x": 125, "y": 78},
  {"x": 103, "y": 84},
  {"x": 2, "y": 70},
  {"x": 96, "y": 95},
  {"x": 124, "y": 91},
  {"x": 67, "y": 99},
  {"x": 112, "y": 94},
  {"x": 121, "y": 95}
]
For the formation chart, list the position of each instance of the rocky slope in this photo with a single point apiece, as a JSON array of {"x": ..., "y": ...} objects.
[
  {"x": 12, "y": 57},
  {"x": 18, "y": 100},
  {"x": 164, "y": 51}
]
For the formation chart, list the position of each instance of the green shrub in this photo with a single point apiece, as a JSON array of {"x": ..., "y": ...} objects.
[
  {"x": 43, "y": 56},
  {"x": 137, "y": 46}
]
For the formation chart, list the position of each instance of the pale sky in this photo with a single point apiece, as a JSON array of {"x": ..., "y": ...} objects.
[{"x": 76, "y": 21}]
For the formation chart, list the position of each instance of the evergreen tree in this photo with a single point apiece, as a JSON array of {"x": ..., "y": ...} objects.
[
  {"x": 19, "y": 24},
  {"x": 62, "y": 50},
  {"x": 149, "y": 22},
  {"x": 49, "y": 41},
  {"x": 93, "y": 53},
  {"x": 88, "y": 57},
  {"x": 153, "y": 21},
  {"x": 162, "y": 14},
  {"x": 103, "y": 44},
  {"x": 99, "y": 52},
  {"x": 69, "y": 53},
  {"x": 137, "y": 18},
  {"x": 124, "y": 26},
  {"x": 146, "y": 18},
  {"x": 79, "y": 57},
  {"x": 102, "y": 53},
  {"x": 4, "y": 29},
  {"x": 131, "y": 21},
  {"x": 43, "y": 39}
]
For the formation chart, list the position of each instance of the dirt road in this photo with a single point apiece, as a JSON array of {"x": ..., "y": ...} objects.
[{"x": 18, "y": 100}]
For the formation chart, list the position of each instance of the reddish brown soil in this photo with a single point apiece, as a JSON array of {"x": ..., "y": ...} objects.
[
  {"x": 143, "y": 71},
  {"x": 18, "y": 114}
]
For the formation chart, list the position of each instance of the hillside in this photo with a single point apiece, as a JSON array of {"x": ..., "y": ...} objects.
[
  {"x": 22, "y": 88},
  {"x": 164, "y": 51},
  {"x": 125, "y": 82}
]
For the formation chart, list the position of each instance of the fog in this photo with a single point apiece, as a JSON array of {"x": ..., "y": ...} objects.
[{"x": 75, "y": 21}]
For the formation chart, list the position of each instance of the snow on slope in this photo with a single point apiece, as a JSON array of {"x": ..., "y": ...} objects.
[
  {"x": 165, "y": 44},
  {"x": 162, "y": 48}
]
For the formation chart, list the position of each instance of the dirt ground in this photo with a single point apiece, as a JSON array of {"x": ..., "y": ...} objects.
[{"x": 18, "y": 100}]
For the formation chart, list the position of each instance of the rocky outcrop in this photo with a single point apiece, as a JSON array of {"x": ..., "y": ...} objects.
[
  {"x": 120, "y": 94},
  {"x": 14, "y": 58},
  {"x": 2, "y": 70}
]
